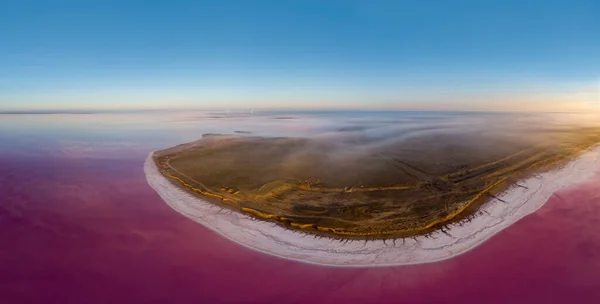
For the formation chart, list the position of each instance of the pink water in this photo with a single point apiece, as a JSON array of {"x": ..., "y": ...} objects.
[{"x": 84, "y": 227}]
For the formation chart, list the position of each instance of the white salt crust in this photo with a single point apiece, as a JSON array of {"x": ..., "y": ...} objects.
[{"x": 277, "y": 241}]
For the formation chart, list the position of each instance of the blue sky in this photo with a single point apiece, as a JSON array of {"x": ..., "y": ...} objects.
[{"x": 515, "y": 55}]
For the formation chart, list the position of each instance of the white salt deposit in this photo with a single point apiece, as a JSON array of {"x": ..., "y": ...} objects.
[{"x": 268, "y": 238}]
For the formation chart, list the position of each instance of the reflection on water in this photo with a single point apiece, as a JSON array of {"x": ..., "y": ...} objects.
[
  {"x": 78, "y": 228},
  {"x": 107, "y": 134}
]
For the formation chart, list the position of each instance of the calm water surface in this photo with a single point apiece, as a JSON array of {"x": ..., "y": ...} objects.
[{"x": 78, "y": 224}]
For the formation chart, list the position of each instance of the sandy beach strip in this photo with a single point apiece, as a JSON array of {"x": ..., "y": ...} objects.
[{"x": 498, "y": 214}]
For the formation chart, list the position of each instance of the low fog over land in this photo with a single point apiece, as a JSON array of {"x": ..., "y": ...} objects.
[{"x": 374, "y": 175}]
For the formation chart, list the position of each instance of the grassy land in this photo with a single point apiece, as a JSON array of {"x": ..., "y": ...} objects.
[{"x": 362, "y": 191}]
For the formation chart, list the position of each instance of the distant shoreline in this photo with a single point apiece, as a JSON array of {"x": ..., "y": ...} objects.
[
  {"x": 460, "y": 238},
  {"x": 280, "y": 112}
]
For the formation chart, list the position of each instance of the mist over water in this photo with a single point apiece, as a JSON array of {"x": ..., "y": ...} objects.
[
  {"x": 79, "y": 223},
  {"x": 113, "y": 132}
]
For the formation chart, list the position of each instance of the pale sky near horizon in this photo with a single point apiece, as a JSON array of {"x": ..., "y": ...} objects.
[{"x": 414, "y": 55}]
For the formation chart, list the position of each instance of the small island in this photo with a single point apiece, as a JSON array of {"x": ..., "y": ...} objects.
[{"x": 271, "y": 193}]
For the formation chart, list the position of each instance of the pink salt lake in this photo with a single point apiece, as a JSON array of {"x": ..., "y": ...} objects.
[{"x": 79, "y": 224}]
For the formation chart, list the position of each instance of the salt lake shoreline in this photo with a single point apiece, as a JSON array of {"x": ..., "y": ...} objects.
[{"x": 497, "y": 214}]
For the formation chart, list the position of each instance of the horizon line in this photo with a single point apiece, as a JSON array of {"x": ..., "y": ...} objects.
[{"x": 265, "y": 109}]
